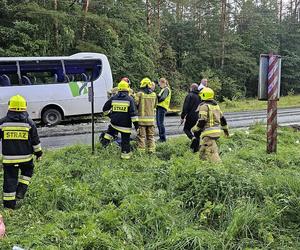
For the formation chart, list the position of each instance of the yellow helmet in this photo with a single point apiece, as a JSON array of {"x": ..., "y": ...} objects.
[
  {"x": 146, "y": 82},
  {"x": 207, "y": 94},
  {"x": 123, "y": 86},
  {"x": 17, "y": 103}
]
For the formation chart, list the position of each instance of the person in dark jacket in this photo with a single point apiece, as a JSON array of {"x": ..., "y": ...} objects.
[
  {"x": 20, "y": 141},
  {"x": 164, "y": 99},
  {"x": 122, "y": 112},
  {"x": 189, "y": 115}
]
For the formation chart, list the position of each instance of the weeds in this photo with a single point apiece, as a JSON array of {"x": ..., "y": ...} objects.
[{"x": 169, "y": 200}]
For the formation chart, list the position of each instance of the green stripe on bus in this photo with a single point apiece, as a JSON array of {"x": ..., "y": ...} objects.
[{"x": 74, "y": 88}]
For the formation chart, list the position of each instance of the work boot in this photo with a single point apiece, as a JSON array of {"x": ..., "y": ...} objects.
[
  {"x": 195, "y": 145},
  {"x": 21, "y": 191}
]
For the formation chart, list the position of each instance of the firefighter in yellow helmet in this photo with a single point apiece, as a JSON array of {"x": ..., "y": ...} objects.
[
  {"x": 20, "y": 141},
  {"x": 122, "y": 114},
  {"x": 114, "y": 91},
  {"x": 146, "y": 102},
  {"x": 208, "y": 126}
]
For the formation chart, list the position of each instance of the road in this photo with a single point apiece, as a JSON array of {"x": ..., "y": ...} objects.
[
  {"x": 235, "y": 120},
  {"x": 61, "y": 136}
]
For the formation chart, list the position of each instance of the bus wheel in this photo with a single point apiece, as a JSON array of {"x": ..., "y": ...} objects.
[{"x": 52, "y": 117}]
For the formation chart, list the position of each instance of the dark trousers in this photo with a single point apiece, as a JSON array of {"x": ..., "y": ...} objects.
[
  {"x": 112, "y": 133},
  {"x": 188, "y": 125},
  {"x": 15, "y": 186},
  {"x": 160, "y": 119}
]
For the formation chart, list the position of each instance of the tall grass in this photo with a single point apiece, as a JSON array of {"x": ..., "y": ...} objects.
[{"x": 168, "y": 200}]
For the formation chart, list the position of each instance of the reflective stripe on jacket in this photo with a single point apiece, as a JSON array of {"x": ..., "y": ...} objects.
[
  {"x": 122, "y": 111},
  {"x": 211, "y": 114},
  {"x": 165, "y": 103},
  {"x": 146, "y": 103},
  {"x": 19, "y": 137}
]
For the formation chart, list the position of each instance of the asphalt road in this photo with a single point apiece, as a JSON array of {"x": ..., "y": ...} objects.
[
  {"x": 61, "y": 136},
  {"x": 235, "y": 120}
]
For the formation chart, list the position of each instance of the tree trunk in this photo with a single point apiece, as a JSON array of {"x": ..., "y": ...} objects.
[
  {"x": 85, "y": 9},
  {"x": 56, "y": 33},
  {"x": 148, "y": 10},
  {"x": 158, "y": 16},
  {"x": 223, "y": 24}
]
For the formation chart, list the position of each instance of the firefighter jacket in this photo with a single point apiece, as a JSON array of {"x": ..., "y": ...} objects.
[
  {"x": 146, "y": 102},
  {"x": 190, "y": 106},
  {"x": 122, "y": 111},
  {"x": 19, "y": 137},
  {"x": 164, "y": 98},
  {"x": 210, "y": 119}
]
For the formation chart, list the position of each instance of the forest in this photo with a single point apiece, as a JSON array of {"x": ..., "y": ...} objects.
[{"x": 182, "y": 40}]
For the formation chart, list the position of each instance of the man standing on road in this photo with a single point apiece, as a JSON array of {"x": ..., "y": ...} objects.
[
  {"x": 164, "y": 99},
  {"x": 20, "y": 141},
  {"x": 189, "y": 115},
  {"x": 122, "y": 114},
  {"x": 208, "y": 125},
  {"x": 146, "y": 103}
]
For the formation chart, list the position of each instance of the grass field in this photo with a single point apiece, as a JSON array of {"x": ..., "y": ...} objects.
[
  {"x": 169, "y": 200},
  {"x": 254, "y": 104}
]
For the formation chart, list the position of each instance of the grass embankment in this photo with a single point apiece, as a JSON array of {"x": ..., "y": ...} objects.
[
  {"x": 170, "y": 200},
  {"x": 254, "y": 104}
]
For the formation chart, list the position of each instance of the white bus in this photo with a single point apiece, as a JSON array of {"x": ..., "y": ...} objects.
[{"x": 55, "y": 87}]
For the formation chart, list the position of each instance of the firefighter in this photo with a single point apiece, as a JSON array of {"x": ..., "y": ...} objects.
[
  {"x": 146, "y": 102},
  {"x": 189, "y": 115},
  {"x": 20, "y": 141},
  {"x": 122, "y": 114},
  {"x": 114, "y": 91},
  {"x": 164, "y": 99},
  {"x": 208, "y": 126}
]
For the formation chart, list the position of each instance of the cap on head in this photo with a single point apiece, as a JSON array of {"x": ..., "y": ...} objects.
[
  {"x": 146, "y": 82},
  {"x": 17, "y": 103},
  {"x": 207, "y": 94},
  {"x": 123, "y": 86}
]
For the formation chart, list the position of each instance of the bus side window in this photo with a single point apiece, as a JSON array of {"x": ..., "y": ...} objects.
[{"x": 4, "y": 80}]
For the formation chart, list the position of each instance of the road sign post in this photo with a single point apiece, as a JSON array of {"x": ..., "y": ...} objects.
[
  {"x": 91, "y": 100},
  {"x": 269, "y": 89}
]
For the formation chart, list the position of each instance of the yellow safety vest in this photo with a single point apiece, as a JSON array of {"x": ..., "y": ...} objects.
[{"x": 165, "y": 103}]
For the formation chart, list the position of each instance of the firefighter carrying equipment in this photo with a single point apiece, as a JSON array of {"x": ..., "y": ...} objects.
[
  {"x": 207, "y": 94},
  {"x": 123, "y": 86},
  {"x": 164, "y": 98},
  {"x": 17, "y": 103},
  {"x": 146, "y": 83}
]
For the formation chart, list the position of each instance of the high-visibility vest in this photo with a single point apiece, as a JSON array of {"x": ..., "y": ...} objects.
[
  {"x": 146, "y": 108},
  {"x": 165, "y": 103}
]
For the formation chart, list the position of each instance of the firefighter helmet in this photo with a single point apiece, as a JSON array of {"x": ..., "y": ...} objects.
[
  {"x": 146, "y": 82},
  {"x": 207, "y": 94},
  {"x": 17, "y": 103},
  {"x": 123, "y": 86}
]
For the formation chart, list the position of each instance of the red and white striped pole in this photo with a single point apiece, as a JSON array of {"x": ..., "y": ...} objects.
[{"x": 273, "y": 78}]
